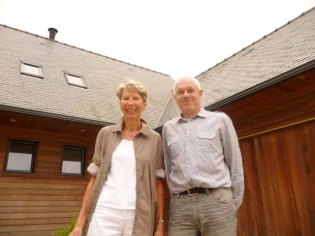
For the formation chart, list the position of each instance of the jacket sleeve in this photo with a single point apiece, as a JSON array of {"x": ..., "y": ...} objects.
[
  {"x": 160, "y": 173},
  {"x": 94, "y": 167}
]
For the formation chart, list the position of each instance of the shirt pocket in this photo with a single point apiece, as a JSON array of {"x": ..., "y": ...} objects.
[
  {"x": 174, "y": 145},
  {"x": 206, "y": 141}
]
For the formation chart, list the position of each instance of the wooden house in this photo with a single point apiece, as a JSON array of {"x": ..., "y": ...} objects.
[
  {"x": 54, "y": 98},
  {"x": 267, "y": 88}
]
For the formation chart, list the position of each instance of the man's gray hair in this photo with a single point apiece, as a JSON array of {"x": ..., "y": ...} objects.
[{"x": 185, "y": 78}]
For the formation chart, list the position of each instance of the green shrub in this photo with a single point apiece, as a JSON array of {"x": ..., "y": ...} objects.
[{"x": 65, "y": 231}]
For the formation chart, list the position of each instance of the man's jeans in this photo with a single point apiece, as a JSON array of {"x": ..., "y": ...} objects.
[{"x": 207, "y": 214}]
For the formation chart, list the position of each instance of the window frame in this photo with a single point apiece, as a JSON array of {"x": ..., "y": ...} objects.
[
  {"x": 73, "y": 84},
  {"x": 23, "y": 72},
  {"x": 83, "y": 154},
  {"x": 34, "y": 152}
]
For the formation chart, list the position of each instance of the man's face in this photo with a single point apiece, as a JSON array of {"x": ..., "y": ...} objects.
[{"x": 187, "y": 96}]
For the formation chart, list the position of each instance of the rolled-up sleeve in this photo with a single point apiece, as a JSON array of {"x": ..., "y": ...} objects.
[
  {"x": 94, "y": 167},
  {"x": 160, "y": 173}
]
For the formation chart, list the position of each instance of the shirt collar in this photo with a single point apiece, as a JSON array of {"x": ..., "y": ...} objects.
[
  {"x": 144, "y": 129},
  {"x": 202, "y": 113}
]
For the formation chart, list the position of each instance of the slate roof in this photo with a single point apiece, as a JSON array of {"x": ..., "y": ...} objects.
[
  {"x": 53, "y": 97},
  {"x": 276, "y": 54},
  {"x": 283, "y": 53}
]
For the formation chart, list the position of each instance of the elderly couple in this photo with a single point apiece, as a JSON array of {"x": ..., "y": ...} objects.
[{"x": 203, "y": 169}]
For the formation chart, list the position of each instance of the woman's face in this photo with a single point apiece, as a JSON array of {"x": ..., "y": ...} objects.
[{"x": 131, "y": 104}]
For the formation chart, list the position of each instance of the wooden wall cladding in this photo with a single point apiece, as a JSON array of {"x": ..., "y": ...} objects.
[
  {"x": 39, "y": 203},
  {"x": 286, "y": 103},
  {"x": 279, "y": 182},
  {"x": 38, "y": 206}
]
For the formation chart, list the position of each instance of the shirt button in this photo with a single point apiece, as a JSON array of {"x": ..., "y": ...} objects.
[
  {"x": 187, "y": 147},
  {"x": 187, "y": 163}
]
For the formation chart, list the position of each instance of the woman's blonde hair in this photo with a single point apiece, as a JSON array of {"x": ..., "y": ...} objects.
[{"x": 134, "y": 86}]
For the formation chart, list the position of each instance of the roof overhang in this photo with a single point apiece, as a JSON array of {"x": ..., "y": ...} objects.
[
  {"x": 53, "y": 115},
  {"x": 286, "y": 75}
]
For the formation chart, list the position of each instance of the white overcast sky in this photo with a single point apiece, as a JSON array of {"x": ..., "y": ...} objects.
[{"x": 176, "y": 37}]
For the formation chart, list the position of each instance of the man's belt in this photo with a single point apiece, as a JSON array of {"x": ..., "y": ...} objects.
[{"x": 195, "y": 191}]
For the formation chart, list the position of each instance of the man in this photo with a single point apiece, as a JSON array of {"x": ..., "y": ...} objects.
[{"x": 203, "y": 167}]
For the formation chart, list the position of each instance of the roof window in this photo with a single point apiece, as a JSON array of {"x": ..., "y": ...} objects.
[
  {"x": 31, "y": 70},
  {"x": 75, "y": 80}
]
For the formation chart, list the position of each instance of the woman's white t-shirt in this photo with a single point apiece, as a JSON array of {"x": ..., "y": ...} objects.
[{"x": 119, "y": 190}]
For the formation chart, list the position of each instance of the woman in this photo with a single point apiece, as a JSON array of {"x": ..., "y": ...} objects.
[{"x": 127, "y": 170}]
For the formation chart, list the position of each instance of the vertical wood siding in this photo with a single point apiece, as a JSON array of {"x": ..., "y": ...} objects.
[{"x": 279, "y": 177}]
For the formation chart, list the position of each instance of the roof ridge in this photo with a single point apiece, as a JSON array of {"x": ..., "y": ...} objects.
[
  {"x": 162, "y": 113},
  {"x": 265, "y": 36},
  {"x": 23, "y": 31}
]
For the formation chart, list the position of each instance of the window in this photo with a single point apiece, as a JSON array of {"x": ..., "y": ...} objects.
[
  {"x": 31, "y": 70},
  {"x": 73, "y": 160},
  {"x": 75, "y": 80},
  {"x": 20, "y": 157}
]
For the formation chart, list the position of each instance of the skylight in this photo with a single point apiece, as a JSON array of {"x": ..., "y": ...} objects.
[
  {"x": 31, "y": 70},
  {"x": 75, "y": 80}
]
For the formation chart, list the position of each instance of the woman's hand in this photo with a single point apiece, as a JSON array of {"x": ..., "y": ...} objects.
[
  {"x": 160, "y": 230},
  {"x": 77, "y": 231}
]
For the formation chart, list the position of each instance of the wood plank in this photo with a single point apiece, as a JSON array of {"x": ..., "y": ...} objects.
[
  {"x": 29, "y": 124},
  {"x": 291, "y": 219},
  {"x": 267, "y": 201},
  {"x": 268, "y": 96},
  {"x": 47, "y": 181},
  {"x": 43, "y": 174},
  {"x": 278, "y": 125},
  {"x": 40, "y": 198},
  {"x": 49, "y": 169},
  {"x": 244, "y": 212},
  {"x": 26, "y": 185},
  {"x": 48, "y": 163},
  {"x": 287, "y": 223},
  {"x": 49, "y": 158},
  {"x": 29, "y": 228},
  {"x": 33, "y": 233},
  {"x": 61, "y": 192},
  {"x": 310, "y": 169},
  {"x": 39, "y": 221},
  {"x": 254, "y": 220},
  {"x": 38, "y": 209},
  {"x": 47, "y": 215},
  {"x": 284, "y": 111},
  {"x": 304, "y": 200},
  {"x": 39, "y": 203},
  {"x": 295, "y": 165}
]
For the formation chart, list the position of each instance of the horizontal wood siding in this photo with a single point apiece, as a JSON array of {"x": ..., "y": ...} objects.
[
  {"x": 284, "y": 104},
  {"x": 39, "y": 203},
  {"x": 290, "y": 111},
  {"x": 279, "y": 177}
]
